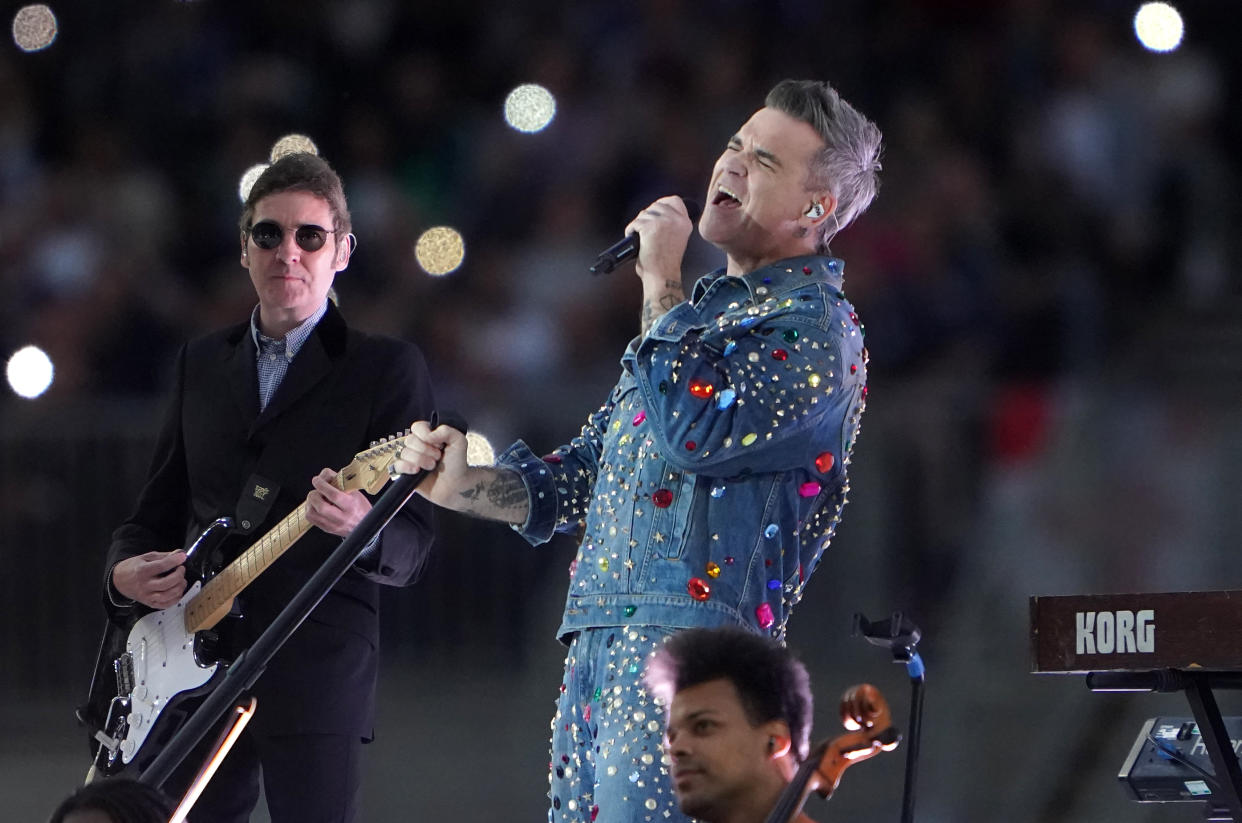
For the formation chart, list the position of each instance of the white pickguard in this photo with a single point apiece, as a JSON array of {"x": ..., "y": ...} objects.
[{"x": 164, "y": 666}]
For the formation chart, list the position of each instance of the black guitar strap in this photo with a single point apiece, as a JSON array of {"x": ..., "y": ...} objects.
[{"x": 256, "y": 500}]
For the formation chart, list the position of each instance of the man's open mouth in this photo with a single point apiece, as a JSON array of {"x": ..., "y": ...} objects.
[{"x": 726, "y": 197}]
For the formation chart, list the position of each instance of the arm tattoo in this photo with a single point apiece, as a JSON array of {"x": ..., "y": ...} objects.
[
  {"x": 507, "y": 491},
  {"x": 496, "y": 495},
  {"x": 655, "y": 308}
]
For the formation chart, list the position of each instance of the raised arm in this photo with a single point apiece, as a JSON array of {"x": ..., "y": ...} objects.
[
  {"x": 482, "y": 491},
  {"x": 664, "y": 228}
]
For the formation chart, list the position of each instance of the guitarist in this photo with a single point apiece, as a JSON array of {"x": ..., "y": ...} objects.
[
  {"x": 257, "y": 410},
  {"x": 739, "y": 721}
]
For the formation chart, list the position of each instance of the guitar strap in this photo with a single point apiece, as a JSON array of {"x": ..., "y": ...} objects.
[{"x": 257, "y": 497}]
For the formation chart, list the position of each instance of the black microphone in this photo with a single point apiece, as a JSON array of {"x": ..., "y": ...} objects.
[{"x": 627, "y": 247}]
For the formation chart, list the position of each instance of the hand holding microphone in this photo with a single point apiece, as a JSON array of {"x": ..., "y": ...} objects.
[{"x": 655, "y": 221}]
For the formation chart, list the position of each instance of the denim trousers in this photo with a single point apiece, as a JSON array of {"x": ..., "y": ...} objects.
[{"x": 608, "y": 761}]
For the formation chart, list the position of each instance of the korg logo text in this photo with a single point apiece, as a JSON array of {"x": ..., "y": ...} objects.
[{"x": 1115, "y": 632}]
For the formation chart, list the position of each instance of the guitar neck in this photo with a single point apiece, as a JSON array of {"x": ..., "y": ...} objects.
[{"x": 211, "y": 604}]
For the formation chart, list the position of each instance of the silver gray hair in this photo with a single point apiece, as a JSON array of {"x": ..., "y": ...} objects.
[{"x": 849, "y": 164}]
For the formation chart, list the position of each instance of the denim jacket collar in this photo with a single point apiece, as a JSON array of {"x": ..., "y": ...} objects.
[{"x": 774, "y": 280}]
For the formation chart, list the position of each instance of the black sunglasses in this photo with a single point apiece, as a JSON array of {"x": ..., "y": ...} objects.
[{"x": 267, "y": 234}]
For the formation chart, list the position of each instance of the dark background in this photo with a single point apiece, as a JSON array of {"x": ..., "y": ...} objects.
[{"x": 1047, "y": 282}]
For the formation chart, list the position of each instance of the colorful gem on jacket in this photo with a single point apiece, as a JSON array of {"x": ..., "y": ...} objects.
[
  {"x": 730, "y": 347},
  {"x": 718, "y": 490},
  {"x": 790, "y": 335},
  {"x": 713, "y": 570},
  {"x": 824, "y": 462},
  {"x": 699, "y": 589},
  {"x": 771, "y": 531},
  {"x": 774, "y": 584},
  {"x": 701, "y": 388},
  {"x": 691, "y": 445},
  {"x": 780, "y": 354},
  {"x": 663, "y": 498},
  {"x": 640, "y": 417},
  {"x": 725, "y": 398},
  {"x": 809, "y": 489},
  {"x": 764, "y": 615}
]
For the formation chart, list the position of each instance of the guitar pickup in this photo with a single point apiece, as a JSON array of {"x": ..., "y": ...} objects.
[{"x": 124, "y": 668}]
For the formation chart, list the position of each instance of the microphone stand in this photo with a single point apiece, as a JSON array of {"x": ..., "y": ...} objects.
[
  {"x": 246, "y": 669},
  {"x": 901, "y": 636}
]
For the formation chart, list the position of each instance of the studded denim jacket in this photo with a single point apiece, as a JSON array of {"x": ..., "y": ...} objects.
[{"x": 710, "y": 483}]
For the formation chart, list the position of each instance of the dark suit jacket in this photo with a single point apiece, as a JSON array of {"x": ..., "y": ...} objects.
[{"x": 343, "y": 390}]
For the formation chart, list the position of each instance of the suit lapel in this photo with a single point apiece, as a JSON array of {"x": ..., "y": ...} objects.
[
  {"x": 310, "y": 365},
  {"x": 243, "y": 377}
]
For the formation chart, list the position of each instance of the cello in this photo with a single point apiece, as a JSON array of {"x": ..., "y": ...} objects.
[{"x": 866, "y": 716}]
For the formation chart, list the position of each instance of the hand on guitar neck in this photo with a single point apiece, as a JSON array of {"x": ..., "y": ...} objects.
[
  {"x": 158, "y": 579},
  {"x": 331, "y": 509}
]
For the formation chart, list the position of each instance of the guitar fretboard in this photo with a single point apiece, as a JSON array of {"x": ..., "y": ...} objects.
[
  {"x": 206, "y": 609},
  {"x": 201, "y": 612}
]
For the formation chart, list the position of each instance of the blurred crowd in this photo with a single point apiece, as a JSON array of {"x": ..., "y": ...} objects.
[
  {"x": 1057, "y": 203},
  {"x": 1047, "y": 279},
  {"x": 1048, "y": 187}
]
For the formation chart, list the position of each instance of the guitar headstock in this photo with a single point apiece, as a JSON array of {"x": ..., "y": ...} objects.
[{"x": 369, "y": 469}]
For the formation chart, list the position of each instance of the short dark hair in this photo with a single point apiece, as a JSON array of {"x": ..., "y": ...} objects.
[
  {"x": 771, "y": 683},
  {"x": 123, "y": 799},
  {"x": 849, "y": 164},
  {"x": 301, "y": 171}
]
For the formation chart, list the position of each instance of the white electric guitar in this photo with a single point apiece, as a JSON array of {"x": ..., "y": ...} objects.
[{"x": 162, "y": 657}]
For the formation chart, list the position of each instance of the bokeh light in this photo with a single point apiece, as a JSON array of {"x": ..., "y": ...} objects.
[
  {"x": 530, "y": 108},
  {"x": 479, "y": 451},
  {"x": 1159, "y": 27},
  {"x": 440, "y": 250},
  {"x": 293, "y": 144},
  {"x": 248, "y": 179},
  {"x": 34, "y": 27},
  {"x": 29, "y": 372}
]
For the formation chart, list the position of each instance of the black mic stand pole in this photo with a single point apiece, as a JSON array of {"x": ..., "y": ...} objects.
[
  {"x": 251, "y": 662},
  {"x": 901, "y": 636}
]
